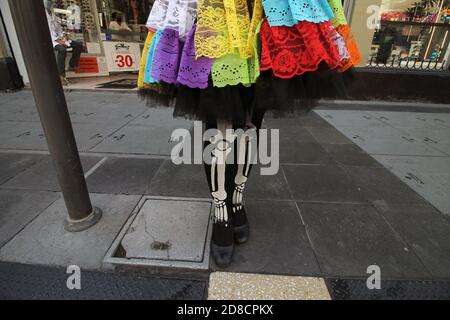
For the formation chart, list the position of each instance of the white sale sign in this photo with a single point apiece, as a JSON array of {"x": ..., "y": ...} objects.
[{"x": 122, "y": 56}]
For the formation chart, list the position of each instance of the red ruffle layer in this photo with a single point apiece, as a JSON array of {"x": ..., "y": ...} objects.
[{"x": 291, "y": 51}]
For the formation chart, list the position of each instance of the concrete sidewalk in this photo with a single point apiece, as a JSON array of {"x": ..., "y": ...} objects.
[{"x": 355, "y": 189}]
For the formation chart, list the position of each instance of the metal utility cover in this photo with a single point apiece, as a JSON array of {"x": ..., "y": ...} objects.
[{"x": 165, "y": 232}]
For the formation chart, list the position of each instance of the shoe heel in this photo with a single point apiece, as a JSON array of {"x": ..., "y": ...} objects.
[
  {"x": 241, "y": 234},
  {"x": 222, "y": 255}
]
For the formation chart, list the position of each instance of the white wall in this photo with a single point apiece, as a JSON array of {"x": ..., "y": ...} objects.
[{"x": 4, "y": 7}]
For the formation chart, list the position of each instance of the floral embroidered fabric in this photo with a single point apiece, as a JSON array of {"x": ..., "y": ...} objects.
[
  {"x": 290, "y": 12},
  {"x": 339, "y": 41},
  {"x": 178, "y": 15},
  {"x": 255, "y": 27},
  {"x": 339, "y": 15},
  {"x": 157, "y": 15},
  {"x": 172, "y": 65},
  {"x": 222, "y": 28},
  {"x": 193, "y": 72},
  {"x": 351, "y": 45},
  {"x": 225, "y": 43},
  {"x": 166, "y": 59},
  {"x": 149, "y": 65},
  {"x": 291, "y": 51},
  {"x": 148, "y": 41},
  {"x": 211, "y": 60},
  {"x": 233, "y": 70}
]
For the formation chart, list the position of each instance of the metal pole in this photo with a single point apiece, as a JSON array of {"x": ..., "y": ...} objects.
[{"x": 36, "y": 44}]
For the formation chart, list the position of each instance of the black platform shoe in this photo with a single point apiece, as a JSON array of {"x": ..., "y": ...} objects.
[
  {"x": 222, "y": 243},
  {"x": 241, "y": 227}
]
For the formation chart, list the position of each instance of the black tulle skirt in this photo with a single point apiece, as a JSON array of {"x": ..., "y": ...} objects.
[{"x": 235, "y": 104}]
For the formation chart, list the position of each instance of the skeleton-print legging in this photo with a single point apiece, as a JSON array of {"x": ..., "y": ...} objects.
[{"x": 227, "y": 181}]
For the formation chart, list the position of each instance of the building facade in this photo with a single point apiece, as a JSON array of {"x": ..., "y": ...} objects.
[{"x": 113, "y": 32}]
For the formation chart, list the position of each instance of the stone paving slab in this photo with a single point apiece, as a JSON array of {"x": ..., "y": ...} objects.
[
  {"x": 180, "y": 181},
  {"x": 88, "y": 136},
  {"x": 351, "y": 118},
  {"x": 438, "y": 138},
  {"x": 307, "y": 120},
  {"x": 45, "y": 242},
  {"x": 139, "y": 139},
  {"x": 123, "y": 176},
  {"x": 304, "y": 153},
  {"x": 328, "y": 135},
  {"x": 378, "y": 185},
  {"x": 417, "y": 164},
  {"x": 25, "y": 282},
  {"x": 190, "y": 181},
  {"x": 123, "y": 99},
  {"x": 19, "y": 98},
  {"x": 418, "y": 129},
  {"x": 19, "y": 207},
  {"x": 22, "y": 135},
  {"x": 104, "y": 113},
  {"x": 426, "y": 231},
  {"x": 94, "y": 116},
  {"x": 436, "y": 191},
  {"x": 323, "y": 183},
  {"x": 278, "y": 243},
  {"x": 165, "y": 232},
  {"x": 11, "y": 112},
  {"x": 413, "y": 119},
  {"x": 350, "y": 155},
  {"x": 295, "y": 133},
  {"x": 427, "y": 176},
  {"x": 160, "y": 117},
  {"x": 30, "y": 135},
  {"x": 42, "y": 176},
  {"x": 240, "y": 286},
  {"x": 347, "y": 239},
  {"x": 12, "y": 164},
  {"x": 389, "y": 141},
  {"x": 415, "y": 147},
  {"x": 267, "y": 187}
]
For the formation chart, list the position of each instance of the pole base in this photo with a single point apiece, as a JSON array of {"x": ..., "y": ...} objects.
[{"x": 81, "y": 225}]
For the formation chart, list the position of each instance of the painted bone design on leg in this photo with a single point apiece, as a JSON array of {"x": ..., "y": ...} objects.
[
  {"x": 244, "y": 164},
  {"x": 218, "y": 166}
]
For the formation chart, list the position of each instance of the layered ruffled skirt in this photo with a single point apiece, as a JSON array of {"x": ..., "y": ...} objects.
[{"x": 218, "y": 60}]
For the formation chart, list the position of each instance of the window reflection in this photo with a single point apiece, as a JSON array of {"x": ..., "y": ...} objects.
[{"x": 412, "y": 32}]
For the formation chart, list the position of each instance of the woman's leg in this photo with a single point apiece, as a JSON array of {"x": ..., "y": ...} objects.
[
  {"x": 247, "y": 146},
  {"x": 218, "y": 173},
  {"x": 227, "y": 183}
]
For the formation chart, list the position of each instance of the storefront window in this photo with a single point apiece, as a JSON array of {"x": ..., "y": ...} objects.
[
  {"x": 412, "y": 34},
  {"x": 113, "y": 32},
  {"x": 78, "y": 20},
  {"x": 124, "y": 19}
]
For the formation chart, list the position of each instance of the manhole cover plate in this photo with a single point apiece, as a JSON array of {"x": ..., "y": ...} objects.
[{"x": 171, "y": 232}]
